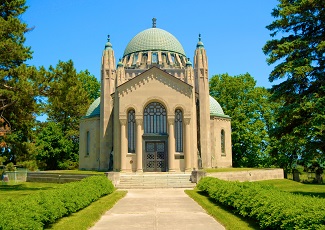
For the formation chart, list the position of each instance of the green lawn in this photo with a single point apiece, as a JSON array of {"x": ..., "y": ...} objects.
[
  {"x": 297, "y": 187},
  {"x": 11, "y": 190}
]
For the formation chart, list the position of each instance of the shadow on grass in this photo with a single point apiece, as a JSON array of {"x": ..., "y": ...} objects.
[
  {"x": 21, "y": 187},
  {"x": 231, "y": 211},
  {"x": 312, "y": 194}
]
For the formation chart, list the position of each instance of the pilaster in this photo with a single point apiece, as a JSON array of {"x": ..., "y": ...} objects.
[
  {"x": 171, "y": 144},
  {"x": 123, "y": 144},
  {"x": 138, "y": 147}
]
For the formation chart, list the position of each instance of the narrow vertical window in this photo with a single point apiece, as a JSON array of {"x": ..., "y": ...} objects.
[
  {"x": 223, "y": 144},
  {"x": 179, "y": 130},
  {"x": 131, "y": 131},
  {"x": 154, "y": 58},
  {"x": 88, "y": 144},
  {"x": 135, "y": 58}
]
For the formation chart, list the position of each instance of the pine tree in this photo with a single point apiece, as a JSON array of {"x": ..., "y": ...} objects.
[
  {"x": 19, "y": 84},
  {"x": 298, "y": 52}
]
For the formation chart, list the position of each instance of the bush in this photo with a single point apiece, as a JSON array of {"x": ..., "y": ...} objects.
[
  {"x": 31, "y": 165},
  {"x": 272, "y": 208},
  {"x": 38, "y": 210},
  {"x": 10, "y": 167}
]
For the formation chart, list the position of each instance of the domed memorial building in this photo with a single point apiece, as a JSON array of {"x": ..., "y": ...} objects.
[{"x": 155, "y": 113}]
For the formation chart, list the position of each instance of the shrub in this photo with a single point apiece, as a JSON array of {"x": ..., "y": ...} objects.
[
  {"x": 31, "y": 165},
  {"x": 38, "y": 210},
  {"x": 10, "y": 167},
  {"x": 272, "y": 208}
]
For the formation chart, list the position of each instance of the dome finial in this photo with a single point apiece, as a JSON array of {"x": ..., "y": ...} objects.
[
  {"x": 154, "y": 20},
  {"x": 200, "y": 43},
  {"x": 108, "y": 44}
]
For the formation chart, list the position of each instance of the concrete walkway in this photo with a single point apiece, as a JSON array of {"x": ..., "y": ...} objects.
[{"x": 157, "y": 209}]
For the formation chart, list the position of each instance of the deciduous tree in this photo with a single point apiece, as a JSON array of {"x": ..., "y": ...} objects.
[{"x": 251, "y": 117}]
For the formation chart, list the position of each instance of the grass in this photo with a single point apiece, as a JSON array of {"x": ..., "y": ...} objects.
[
  {"x": 297, "y": 187},
  {"x": 222, "y": 214},
  {"x": 228, "y": 169},
  {"x": 11, "y": 190},
  {"x": 88, "y": 216}
]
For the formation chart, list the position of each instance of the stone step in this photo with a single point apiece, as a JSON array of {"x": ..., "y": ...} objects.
[{"x": 155, "y": 180}]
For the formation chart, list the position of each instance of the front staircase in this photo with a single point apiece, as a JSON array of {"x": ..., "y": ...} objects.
[{"x": 154, "y": 180}]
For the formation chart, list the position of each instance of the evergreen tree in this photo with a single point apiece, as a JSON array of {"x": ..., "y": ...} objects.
[
  {"x": 297, "y": 50},
  {"x": 19, "y": 84},
  {"x": 251, "y": 117}
]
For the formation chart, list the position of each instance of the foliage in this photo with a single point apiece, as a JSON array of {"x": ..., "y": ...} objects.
[
  {"x": 252, "y": 117},
  {"x": 272, "y": 208},
  {"x": 221, "y": 213},
  {"x": 31, "y": 165},
  {"x": 20, "y": 84},
  {"x": 68, "y": 99},
  {"x": 38, "y": 210},
  {"x": 90, "y": 84},
  {"x": 54, "y": 150},
  {"x": 297, "y": 51},
  {"x": 10, "y": 167},
  {"x": 87, "y": 217}
]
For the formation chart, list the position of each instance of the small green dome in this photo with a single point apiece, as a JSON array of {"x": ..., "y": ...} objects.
[
  {"x": 94, "y": 109},
  {"x": 188, "y": 63},
  {"x": 120, "y": 64},
  {"x": 215, "y": 108},
  {"x": 154, "y": 39}
]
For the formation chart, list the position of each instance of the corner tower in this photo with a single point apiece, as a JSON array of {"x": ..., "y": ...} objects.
[
  {"x": 202, "y": 103},
  {"x": 108, "y": 77}
]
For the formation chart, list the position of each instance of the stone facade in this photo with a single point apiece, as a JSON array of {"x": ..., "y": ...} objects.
[{"x": 155, "y": 113}]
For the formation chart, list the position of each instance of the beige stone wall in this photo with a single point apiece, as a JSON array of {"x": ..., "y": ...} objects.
[
  {"x": 249, "y": 175},
  {"x": 219, "y": 159},
  {"x": 153, "y": 86},
  {"x": 91, "y": 161}
]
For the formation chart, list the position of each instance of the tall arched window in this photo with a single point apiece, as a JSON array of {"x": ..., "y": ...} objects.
[
  {"x": 131, "y": 131},
  {"x": 154, "y": 119},
  {"x": 179, "y": 130},
  {"x": 223, "y": 142}
]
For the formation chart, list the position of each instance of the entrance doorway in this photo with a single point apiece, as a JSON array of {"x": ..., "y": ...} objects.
[{"x": 155, "y": 156}]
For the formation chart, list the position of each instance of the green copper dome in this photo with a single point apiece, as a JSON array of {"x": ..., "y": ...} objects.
[
  {"x": 94, "y": 109},
  {"x": 215, "y": 108},
  {"x": 154, "y": 39}
]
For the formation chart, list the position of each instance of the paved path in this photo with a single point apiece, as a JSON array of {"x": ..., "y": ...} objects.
[{"x": 157, "y": 209}]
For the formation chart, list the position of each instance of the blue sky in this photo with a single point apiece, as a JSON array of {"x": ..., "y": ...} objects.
[{"x": 233, "y": 32}]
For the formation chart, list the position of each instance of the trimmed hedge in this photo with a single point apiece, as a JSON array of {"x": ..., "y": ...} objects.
[
  {"x": 38, "y": 210},
  {"x": 272, "y": 208}
]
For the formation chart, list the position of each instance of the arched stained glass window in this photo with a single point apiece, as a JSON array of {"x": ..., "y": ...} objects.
[
  {"x": 223, "y": 142},
  {"x": 131, "y": 131},
  {"x": 179, "y": 130},
  {"x": 154, "y": 119}
]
